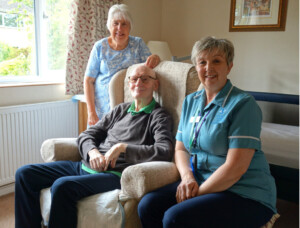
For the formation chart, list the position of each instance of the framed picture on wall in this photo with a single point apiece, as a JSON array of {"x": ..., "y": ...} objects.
[{"x": 258, "y": 15}]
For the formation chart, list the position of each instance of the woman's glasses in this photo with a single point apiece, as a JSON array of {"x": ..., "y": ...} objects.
[{"x": 144, "y": 78}]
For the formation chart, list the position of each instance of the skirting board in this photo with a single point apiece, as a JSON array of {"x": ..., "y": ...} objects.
[{"x": 6, "y": 189}]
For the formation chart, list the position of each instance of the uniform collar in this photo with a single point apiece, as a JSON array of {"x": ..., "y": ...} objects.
[
  {"x": 147, "y": 109},
  {"x": 221, "y": 97}
]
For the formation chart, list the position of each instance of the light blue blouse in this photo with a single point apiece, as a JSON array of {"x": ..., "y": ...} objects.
[
  {"x": 104, "y": 62},
  {"x": 232, "y": 120}
]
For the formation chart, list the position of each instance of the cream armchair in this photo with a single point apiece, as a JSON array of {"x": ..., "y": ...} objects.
[{"x": 176, "y": 81}]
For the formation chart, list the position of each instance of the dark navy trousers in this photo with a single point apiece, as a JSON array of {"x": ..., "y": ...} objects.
[
  {"x": 217, "y": 210},
  {"x": 69, "y": 183}
]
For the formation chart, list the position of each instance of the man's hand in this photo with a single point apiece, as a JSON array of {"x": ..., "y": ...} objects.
[
  {"x": 187, "y": 189},
  {"x": 97, "y": 160},
  {"x": 112, "y": 155}
]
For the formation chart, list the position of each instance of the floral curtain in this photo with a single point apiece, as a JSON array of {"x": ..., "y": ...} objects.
[{"x": 87, "y": 25}]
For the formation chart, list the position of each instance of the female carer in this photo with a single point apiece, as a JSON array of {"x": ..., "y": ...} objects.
[
  {"x": 110, "y": 55},
  {"x": 225, "y": 178}
]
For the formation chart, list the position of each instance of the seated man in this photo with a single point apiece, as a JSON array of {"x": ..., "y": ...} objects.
[{"x": 129, "y": 134}]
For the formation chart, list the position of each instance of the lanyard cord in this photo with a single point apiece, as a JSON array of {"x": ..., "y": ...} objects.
[
  {"x": 195, "y": 131},
  {"x": 192, "y": 129}
]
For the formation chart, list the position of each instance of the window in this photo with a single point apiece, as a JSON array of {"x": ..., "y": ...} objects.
[
  {"x": 10, "y": 20},
  {"x": 33, "y": 38}
]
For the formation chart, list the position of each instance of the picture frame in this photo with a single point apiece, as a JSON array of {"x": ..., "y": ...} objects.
[{"x": 258, "y": 15}]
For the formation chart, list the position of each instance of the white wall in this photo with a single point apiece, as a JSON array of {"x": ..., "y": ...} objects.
[
  {"x": 147, "y": 16},
  {"x": 32, "y": 94},
  {"x": 264, "y": 61}
]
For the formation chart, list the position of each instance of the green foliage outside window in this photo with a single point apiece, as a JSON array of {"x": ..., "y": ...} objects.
[
  {"x": 14, "y": 61},
  {"x": 58, "y": 14},
  {"x": 17, "y": 61}
]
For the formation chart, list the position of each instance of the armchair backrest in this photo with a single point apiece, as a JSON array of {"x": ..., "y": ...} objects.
[{"x": 176, "y": 80}]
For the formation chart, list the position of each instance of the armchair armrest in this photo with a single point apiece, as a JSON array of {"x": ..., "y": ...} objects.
[
  {"x": 137, "y": 180},
  {"x": 60, "y": 149}
]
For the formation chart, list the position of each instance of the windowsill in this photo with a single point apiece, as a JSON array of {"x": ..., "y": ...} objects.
[
  {"x": 22, "y": 81},
  {"x": 79, "y": 97}
]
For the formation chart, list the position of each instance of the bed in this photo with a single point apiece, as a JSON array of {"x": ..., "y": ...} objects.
[{"x": 280, "y": 140}]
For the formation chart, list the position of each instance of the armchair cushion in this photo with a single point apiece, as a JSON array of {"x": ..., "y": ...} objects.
[
  {"x": 102, "y": 208},
  {"x": 45, "y": 203},
  {"x": 60, "y": 149}
]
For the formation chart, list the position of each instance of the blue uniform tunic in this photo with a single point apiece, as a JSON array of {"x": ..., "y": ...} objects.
[
  {"x": 104, "y": 62},
  {"x": 232, "y": 120}
]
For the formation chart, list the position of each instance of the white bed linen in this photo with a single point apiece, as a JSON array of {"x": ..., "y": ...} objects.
[{"x": 280, "y": 143}]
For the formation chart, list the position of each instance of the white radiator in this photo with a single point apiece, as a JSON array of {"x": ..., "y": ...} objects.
[{"x": 23, "y": 128}]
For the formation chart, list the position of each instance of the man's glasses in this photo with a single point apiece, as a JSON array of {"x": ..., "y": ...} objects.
[{"x": 144, "y": 78}]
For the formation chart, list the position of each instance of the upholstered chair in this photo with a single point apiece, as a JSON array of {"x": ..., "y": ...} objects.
[{"x": 118, "y": 208}]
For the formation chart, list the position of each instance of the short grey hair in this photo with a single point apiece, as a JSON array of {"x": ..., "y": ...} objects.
[
  {"x": 211, "y": 43},
  {"x": 118, "y": 11}
]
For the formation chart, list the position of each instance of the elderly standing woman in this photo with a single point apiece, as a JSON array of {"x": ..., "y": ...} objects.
[
  {"x": 131, "y": 133},
  {"x": 110, "y": 55},
  {"x": 225, "y": 178}
]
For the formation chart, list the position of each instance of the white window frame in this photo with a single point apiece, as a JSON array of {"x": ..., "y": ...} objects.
[
  {"x": 39, "y": 40},
  {"x": 42, "y": 75}
]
